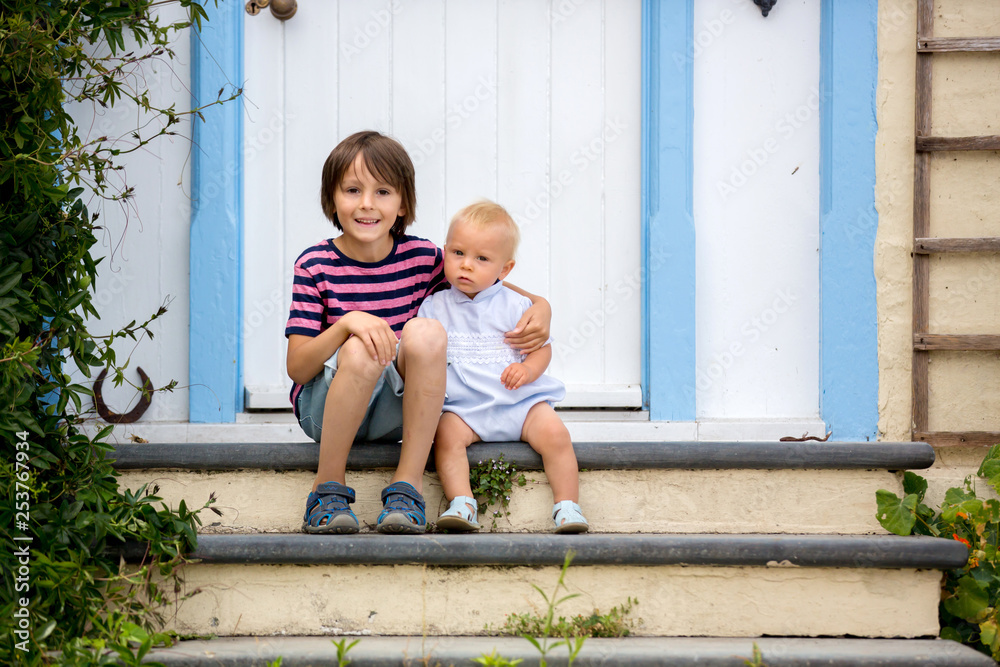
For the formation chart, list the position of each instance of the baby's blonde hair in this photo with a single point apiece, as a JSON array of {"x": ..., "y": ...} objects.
[{"x": 485, "y": 214}]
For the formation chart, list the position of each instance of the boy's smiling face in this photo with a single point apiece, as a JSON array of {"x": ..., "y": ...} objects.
[
  {"x": 367, "y": 209},
  {"x": 475, "y": 258}
]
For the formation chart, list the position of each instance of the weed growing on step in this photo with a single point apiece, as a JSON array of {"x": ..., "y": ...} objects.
[
  {"x": 494, "y": 660},
  {"x": 615, "y": 623},
  {"x": 757, "y": 660},
  {"x": 970, "y": 600},
  {"x": 492, "y": 482},
  {"x": 342, "y": 649},
  {"x": 542, "y": 642},
  {"x": 571, "y": 633}
]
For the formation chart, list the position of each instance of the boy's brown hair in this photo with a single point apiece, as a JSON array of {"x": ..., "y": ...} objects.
[{"x": 385, "y": 158}]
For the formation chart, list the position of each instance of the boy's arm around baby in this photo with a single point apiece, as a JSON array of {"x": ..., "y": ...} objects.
[{"x": 532, "y": 330}]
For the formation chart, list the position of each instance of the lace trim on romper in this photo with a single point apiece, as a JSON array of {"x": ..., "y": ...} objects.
[{"x": 480, "y": 348}]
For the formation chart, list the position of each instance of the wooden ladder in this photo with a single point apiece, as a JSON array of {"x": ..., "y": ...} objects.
[{"x": 924, "y": 245}]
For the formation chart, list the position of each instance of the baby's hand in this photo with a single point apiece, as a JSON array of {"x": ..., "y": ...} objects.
[{"x": 515, "y": 375}]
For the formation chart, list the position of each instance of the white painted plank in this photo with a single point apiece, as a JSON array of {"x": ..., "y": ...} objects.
[
  {"x": 169, "y": 349},
  {"x": 622, "y": 165},
  {"x": 577, "y": 210},
  {"x": 470, "y": 79},
  {"x": 419, "y": 116},
  {"x": 756, "y": 210},
  {"x": 319, "y": 48},
  {"x": 264, "y": 136},
  {"x": 365, "y": 81},
  {"x": 523, "y": 142}
]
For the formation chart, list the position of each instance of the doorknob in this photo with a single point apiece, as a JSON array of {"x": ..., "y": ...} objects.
[{"x": 280, "y": 9}]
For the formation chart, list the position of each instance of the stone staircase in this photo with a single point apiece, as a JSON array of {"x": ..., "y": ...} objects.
[{"x": 726, "y": 546}]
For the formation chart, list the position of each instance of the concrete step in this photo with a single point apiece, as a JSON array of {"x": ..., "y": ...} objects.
[
  {"x": 447, "y": 585},
  {"x": 626, "y": 487},
  {"x": 633, "y": 651}
]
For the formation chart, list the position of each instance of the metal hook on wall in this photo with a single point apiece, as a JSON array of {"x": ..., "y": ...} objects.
[{"x": 765, "y": 6}]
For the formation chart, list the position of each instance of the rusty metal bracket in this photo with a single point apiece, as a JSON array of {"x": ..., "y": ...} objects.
[{"x": 133, "y": 414}]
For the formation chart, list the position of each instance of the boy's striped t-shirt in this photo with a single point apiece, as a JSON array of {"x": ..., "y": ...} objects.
[{"x": 327, "y": 285}]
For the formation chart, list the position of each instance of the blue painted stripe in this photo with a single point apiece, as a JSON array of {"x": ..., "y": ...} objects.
[
  {"x": 215, "y": 376},
  {"x": 848, "y": 220},
  {"x": 668, "y": 328}
]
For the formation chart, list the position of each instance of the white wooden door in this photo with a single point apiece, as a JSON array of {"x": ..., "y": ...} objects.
[{"x": 531, "y": 103}]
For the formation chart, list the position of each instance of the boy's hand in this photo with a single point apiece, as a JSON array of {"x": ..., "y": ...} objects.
[
  {"x": 532, "y": 330},
  {"x": 379, "y": 338},
  {"x": 515, "y": 375}
]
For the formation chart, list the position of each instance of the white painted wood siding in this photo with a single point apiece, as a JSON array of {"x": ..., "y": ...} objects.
[
  {"x": 533, "y": 104},
  {"x": 144, "y": 240}
]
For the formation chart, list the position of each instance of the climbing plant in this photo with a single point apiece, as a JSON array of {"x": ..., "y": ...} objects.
[
  {"x": 65, "y": 597},
  {"x": 970, "y": 595}
]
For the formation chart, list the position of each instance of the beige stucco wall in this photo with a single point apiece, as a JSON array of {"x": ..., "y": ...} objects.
[{"x": 965, "y": 201}]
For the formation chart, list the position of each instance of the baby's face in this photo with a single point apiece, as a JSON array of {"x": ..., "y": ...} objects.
[{"x": 475, "y": 258}]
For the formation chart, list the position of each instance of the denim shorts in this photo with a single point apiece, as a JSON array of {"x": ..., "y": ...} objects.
[{"x": 383, "y": 420}]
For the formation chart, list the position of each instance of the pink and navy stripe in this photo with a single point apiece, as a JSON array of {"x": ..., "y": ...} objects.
[{"x": 327, "y": 285}]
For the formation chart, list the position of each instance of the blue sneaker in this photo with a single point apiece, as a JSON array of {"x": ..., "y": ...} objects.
[
  {"x": 403, "y": 510},
  {"x": 328, "y": 511}
]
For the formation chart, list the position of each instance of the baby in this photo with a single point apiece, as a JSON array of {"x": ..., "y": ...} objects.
[{"x": 493, "y": 393}]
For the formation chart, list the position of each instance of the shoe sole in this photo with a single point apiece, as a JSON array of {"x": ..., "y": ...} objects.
[
  {"x": 400, "y": 524},
  {"x": 335, "y": 527},
  {"x": 456, "y": 523},
  {"x": 570, "y": 528},
  {"x": 329, "y": 530}
]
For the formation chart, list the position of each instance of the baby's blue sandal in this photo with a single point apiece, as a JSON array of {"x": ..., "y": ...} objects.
[
  {"x": 403, "y": 510},
  {"x": 461, "y": 515},
  {"x": 568, "y": 518},
  {"x": 328, "y": 511}
]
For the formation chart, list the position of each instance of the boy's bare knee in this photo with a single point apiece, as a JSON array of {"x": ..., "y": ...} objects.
[{"x": 354, "y": 359}]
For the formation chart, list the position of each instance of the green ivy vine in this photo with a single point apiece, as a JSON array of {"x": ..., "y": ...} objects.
[{"x": 69, "y": 599}]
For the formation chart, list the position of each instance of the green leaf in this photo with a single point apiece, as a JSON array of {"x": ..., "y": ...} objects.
[
  {"x": 951, "y": 633},
  {"x": 969, "y": 600},
  {"x": 915, "y": 484},
  {"x": 895, "y": 515},
  {"x": 45, "y": 631},
  {"x": 9, "y": 283},
  {"x": 990, "y": 468},
  {"x": 988, "y": 632}
]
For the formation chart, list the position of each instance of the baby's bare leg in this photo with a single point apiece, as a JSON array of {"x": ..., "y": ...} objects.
[
  {"x": 422, "y": 363},
  {"x": 450, "y": 444},
  {"x": 548, "y": 436}
]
